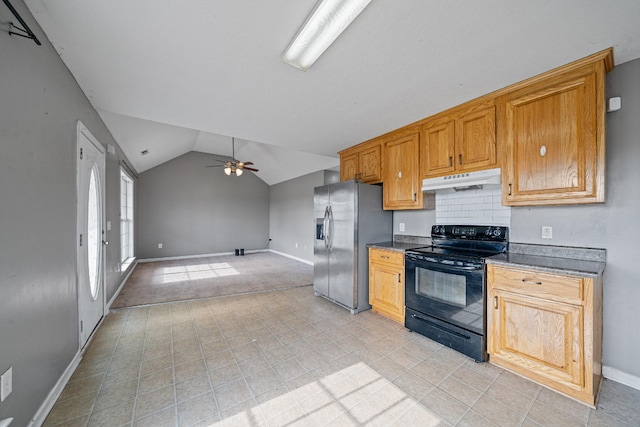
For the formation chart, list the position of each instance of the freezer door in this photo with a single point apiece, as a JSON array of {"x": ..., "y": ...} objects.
[
  {"x": 342, "y": 245},
  {"x": 320, "y": 249}
]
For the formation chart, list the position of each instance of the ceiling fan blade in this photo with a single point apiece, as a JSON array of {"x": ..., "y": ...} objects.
[
  {"x": 214, "y": 166},
  {"x": 250, "y": 169},
  {"x": 247, "y": 163}
]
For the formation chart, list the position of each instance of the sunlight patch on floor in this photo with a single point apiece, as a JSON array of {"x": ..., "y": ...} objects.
[
  {"x": 177, "y": 274},
  {"x": 358, "y": 390}
]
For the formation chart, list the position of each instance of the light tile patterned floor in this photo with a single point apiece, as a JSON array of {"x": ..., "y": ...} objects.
[{"x": 289, "y": 358}]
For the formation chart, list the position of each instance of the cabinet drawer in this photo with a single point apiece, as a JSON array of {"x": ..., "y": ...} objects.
[
  {"x": 386, "y": 257},
  {"x": 537, "y": 284}
]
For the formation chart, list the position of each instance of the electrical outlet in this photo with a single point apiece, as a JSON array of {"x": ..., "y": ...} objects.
[
  {"x": 547, "y": 232},
  {"x": 401, "y": 226},
  {"x": 159, "y": 245},
  {"x": 6, "y": 384}
]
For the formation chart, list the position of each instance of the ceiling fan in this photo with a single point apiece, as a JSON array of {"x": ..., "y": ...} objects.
[{"x": 233, "y": 166}]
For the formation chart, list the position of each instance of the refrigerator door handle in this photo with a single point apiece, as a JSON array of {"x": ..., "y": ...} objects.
[
  {"x": 330, "y": 229},
  {"x": 325, "y": 228}
]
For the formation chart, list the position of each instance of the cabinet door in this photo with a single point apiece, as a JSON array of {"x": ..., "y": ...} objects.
[
  {"x": 402, "y": 184},
  {"x": 538, "y": 338},
  {"x": 386, "y": 290},
  {"x": 476, "y": 140},
  {"x": 349, "y": 167},
  {"x": 551, "y": 136},
  {"x": 370, "y": 164},
  {"x": 438, "y": 147}
]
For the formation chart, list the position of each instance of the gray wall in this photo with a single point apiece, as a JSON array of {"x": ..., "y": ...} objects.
[
  {"x": 194, "y": 210},
  {"x": 613, "y": 225},
  {"x": 291, "y": 220},
  {"x": 41, "y": 103},
  {"x": 416, "y": 223}
]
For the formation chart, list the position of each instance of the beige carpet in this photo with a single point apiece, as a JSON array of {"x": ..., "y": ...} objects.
[{"x": 167, "y": 281}]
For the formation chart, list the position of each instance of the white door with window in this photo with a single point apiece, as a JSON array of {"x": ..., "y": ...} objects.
[{"x": 90, "y": 239}]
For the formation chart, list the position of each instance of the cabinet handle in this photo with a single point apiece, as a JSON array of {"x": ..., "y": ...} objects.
[
  {"x": 398, "y": 277},
  {"x": 495, "y": 302},
  {"x": 531, "y": 282},
  {"x": 384, "y": 256},
  {"x": 459, "y": 159},
  {"x": 450, "y": 160},
  {"x": 509, "y": 189},
  {"x": 415, "y": 197}
]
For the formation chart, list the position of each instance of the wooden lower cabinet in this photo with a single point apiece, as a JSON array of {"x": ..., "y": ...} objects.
[
  {"x": 547, "y": 327},
  {"x": 386, "y": 283}
]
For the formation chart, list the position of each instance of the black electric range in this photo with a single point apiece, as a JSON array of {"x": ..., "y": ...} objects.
[{"x": 445, "y": 285}]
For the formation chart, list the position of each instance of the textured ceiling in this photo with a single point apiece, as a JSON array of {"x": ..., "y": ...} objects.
[{"x": 173, "y": 76}]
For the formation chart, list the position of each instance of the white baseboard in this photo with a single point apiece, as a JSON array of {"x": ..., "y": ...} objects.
[
  {"x": 618, "y": 376},
  {"x": 291, "y": 256},
  {"x": 124, "y": 281},
  {"x": 54, "y": 394},
  {"x": 173, "y": 258}
]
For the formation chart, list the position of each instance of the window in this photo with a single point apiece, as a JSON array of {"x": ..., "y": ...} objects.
[{"x": 126, "y": 219}]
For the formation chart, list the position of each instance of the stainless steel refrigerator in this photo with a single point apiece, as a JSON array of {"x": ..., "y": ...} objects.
[{"x": 349, "y": 215}]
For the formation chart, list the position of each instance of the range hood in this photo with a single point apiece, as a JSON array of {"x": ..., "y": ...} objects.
[{"x": 464, "y": 180}]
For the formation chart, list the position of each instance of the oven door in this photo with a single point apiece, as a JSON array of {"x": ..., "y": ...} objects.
[{"x": 453, "y": 294}]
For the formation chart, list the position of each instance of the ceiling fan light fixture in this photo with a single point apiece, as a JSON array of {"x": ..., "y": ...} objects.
[
  {"x": 322, "y": 27},
  {"x": 233, "y": 166}
]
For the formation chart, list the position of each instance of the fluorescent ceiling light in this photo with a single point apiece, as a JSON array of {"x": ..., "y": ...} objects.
[{"x": 326, "y": 22}]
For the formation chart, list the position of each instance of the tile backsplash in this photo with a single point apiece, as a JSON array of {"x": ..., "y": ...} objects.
[{"x": 472, "y": 207}]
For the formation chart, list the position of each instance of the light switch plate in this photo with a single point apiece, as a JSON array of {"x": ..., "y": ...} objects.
[
  {"x": 6, "y": 384},
  {"x": 547, "y": 232},
  {"x": 401, "y": 226}
]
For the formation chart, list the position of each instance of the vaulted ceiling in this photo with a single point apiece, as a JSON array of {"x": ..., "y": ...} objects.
[{"x": 174, "y": 76}]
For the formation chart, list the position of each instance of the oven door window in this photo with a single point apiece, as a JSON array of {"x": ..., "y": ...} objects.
[
  {"x": 451, "y": 294},
  {"x": 441, "y": 286}
]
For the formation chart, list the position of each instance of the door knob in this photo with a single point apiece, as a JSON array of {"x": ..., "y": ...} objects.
[{"x": 106, "y": 243}]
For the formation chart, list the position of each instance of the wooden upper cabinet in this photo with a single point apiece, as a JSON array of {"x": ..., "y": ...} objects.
[
  {"x": 476, "y": 139},
  {"x": 438, "y": 148},
  {"x": 402, "y": 184},
  {"x": 462, "y": 140},
  {"x": 553, "y": 134},
  {"x": 363, "y": 162},
  {"x": 370, "y": 163},
  {"x": 348, "y": 166},
  {"x": 546, "y": 133}
]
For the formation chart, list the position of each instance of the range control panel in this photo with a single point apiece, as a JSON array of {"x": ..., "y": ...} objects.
[{"x": 470, "y": 232}]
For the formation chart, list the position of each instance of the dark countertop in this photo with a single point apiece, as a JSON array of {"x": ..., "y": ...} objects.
[
  {"x": 585, "y": 262},
  {"x": 550, "y": 264},
  {"x": 396, "y": 246}
]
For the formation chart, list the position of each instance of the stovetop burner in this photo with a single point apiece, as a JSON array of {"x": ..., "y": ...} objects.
[
  {"x": 455, "y": 252},
  {"x": 472, "y": 242}
]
